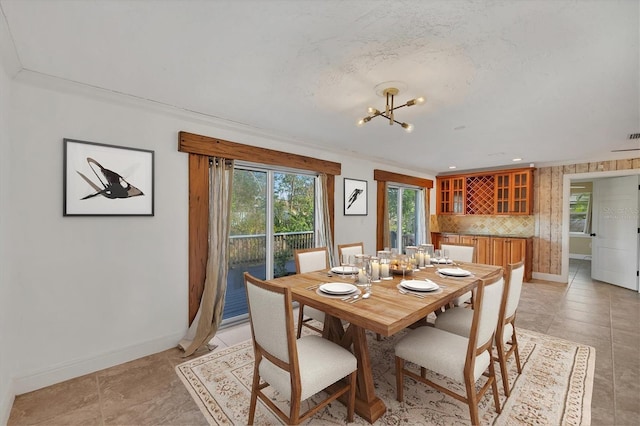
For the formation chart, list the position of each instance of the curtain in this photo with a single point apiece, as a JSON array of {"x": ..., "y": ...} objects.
[
  {"x": 386, "y": 235},
  {"x": 423, "y": 222},
  {"x": 427, "y": 216},
  {"x": 209, "y": 315},
  {"x": 323, "y": 218}
]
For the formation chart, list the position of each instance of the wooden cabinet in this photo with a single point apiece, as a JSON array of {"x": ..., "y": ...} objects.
[
  {"x": 450, "y": 195},
  {"x": 500, "y": 251},
  {"x": 514, "y": 192},
  {"x": 502, "y": 192},
  {"x": 482, "y": 247}
]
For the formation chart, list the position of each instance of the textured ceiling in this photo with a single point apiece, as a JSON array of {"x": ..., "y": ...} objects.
[{"x": 546, "y": 81}]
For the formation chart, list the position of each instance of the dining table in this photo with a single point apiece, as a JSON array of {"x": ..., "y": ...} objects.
[{"x": 389, "y": 309}]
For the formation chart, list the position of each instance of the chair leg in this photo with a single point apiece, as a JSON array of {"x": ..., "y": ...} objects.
[
  {"x": 352, "y": 396},
  {"x": 472, "y": 400},
  {"x": 503, "y": 368},
  {"x": 300, "y": 320},
  {"x": 254, "y": 394},
  {"x": 494, "y": 385},
  {"x": 399, "y": 379},
  {"x": 514, "y": 343}
]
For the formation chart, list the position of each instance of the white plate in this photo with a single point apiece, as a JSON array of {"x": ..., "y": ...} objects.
[
  {"x": 454, "y": 272},
  {"x": 420, "y": 285},
  {"x": 338, "y": 288},
  {"x": 442, "y": 261},
  {"x": 344, "y": 270}
]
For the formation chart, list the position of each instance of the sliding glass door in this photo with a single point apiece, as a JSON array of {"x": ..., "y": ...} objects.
[
  {"x": 405, "y": 208},
  {"x": 272, "y": 215}
]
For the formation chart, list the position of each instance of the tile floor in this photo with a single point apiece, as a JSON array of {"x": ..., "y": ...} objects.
[{"x": 148, "y": 392}]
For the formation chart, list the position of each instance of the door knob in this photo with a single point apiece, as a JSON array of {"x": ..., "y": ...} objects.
[{"x": 592, "y": 235}]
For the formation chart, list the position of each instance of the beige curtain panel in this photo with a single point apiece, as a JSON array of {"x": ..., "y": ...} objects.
[{"x": 209, "y": 315}]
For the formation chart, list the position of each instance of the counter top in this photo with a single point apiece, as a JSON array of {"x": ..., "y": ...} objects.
[{"x": 476, "y": 234}]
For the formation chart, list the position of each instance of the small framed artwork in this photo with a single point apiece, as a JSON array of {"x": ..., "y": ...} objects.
[
  {"x": 355, "y": 197},
  {"x": 107, "y": 180}
]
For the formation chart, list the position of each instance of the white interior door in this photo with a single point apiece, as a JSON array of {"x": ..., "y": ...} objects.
[{"x": 615, "y": 231}]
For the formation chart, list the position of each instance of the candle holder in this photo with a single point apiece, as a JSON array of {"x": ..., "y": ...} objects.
[{"x": 384, "y": 257}]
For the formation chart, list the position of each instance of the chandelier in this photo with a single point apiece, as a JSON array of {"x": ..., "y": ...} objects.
[{"x": 388, "y": 113}]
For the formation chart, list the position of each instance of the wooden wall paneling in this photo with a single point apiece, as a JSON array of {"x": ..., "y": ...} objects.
[
  {"x": 555, "y": 249},
  {"x": 569, "y": 169},
  {"x": 198, "y": 229},
  {"x": 545, "y": 220},
  {"x": 635, "y": 163},
  {"x": 593, "y": 167},
  {"x": 624, "y": 164},
  {"x": 536, "y": 219},
  {"x": 610, "y": 165},
  {"x": 582, "y": 168}
]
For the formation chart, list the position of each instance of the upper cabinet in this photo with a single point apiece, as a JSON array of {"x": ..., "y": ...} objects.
[
  {"x": 450, "y": 197},
  {"x": 503, "y": 192},
  {"x": 514, "y": 192}
]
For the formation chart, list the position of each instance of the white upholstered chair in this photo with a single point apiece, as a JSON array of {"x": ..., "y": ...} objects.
[
  {"x": 458, "y": 320},
  {"x": 460, "y": 253},
  {"x": 350, "y": 249},
  {"x": 464, "y": 359},
  {"x": 309, "y": 260},
  {"x": 296, "y": 368}
]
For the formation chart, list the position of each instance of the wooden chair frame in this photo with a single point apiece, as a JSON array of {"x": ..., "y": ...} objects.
[
  {"x": 472, "y": 396},
  {"x": 341, "y": 247},
  {"x": 301, "y": 321},
  {"x": 292, "y": 368},
  {"x": 502, "y": 323}
]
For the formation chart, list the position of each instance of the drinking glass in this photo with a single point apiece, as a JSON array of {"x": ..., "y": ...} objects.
[
  {"x": 437, "y": 255},
  {"x": 445, "y": 254},
  {"x": 368, "y": 270},
  {"x": 403, "y": 262}
]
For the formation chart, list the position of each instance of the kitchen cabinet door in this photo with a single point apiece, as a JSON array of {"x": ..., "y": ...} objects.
[
  {"x": 514, "y": 192},
  {"x": 450, "y": 195}
]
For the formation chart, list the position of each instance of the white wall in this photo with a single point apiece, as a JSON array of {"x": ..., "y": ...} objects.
[
  {"x": 6, "y": 306},
  {"x": 95, "y": 291}
]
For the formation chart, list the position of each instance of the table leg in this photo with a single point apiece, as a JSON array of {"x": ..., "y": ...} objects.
[{"x": 368, "y": 405}]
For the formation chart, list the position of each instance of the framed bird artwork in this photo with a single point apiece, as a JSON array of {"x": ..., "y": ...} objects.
[
  {"x": 107, "y": 180},
  {"x": 355, "y": 197}
]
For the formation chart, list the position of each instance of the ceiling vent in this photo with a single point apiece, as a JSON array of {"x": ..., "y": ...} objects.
[{"x": 634, "y": 135}]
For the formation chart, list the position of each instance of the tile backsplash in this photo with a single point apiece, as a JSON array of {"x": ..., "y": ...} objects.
[{"x": 520, "y": 226}]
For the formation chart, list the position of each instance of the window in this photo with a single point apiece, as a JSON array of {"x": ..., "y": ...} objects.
[
  {"x": 405, "y": 209},
  {"x": 580, "y": 213},
  {"x": 272, "y": 214}
]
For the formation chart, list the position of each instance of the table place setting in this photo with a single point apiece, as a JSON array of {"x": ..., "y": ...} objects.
[
  {"x": 338, "y": 290},
  {"x": 419, "y": 288}
]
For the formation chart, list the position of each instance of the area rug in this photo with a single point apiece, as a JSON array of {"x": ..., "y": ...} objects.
[{"x": 554, "y": 388}]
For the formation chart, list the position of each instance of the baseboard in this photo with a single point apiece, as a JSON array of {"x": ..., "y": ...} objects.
[
  {"x": 580, "y": 256},
  {"x": 549, "y": 277},
  {"x": 79, "y": 367},
  {"x": 6, "y": 402}
]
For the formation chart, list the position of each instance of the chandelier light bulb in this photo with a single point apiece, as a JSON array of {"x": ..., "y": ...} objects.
[{"x": 390, "y": 107}]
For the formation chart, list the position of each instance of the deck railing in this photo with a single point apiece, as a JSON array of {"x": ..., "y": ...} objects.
[{"x": 245, "y": 250}]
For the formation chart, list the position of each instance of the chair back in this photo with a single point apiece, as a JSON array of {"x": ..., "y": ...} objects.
[
  {"x": 515, "y": 277},
  {"x": 312, "y": 259},
  {"x": 350, "y": 249},
  {"x": 459, "y": 252},
  {"x": 271, "y": 319},
  {"x": 486, "y": 310}
]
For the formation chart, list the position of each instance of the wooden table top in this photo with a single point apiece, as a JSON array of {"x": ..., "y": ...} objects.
[{"x": 387, "y": 311}]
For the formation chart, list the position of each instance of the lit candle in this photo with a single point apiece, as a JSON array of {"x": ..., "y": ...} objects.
[
  {"x": 375, "y": 271},
  {"x": 427, "y": 259},
  {"x": 421, "y": 259},
  {"x": 384, "y": 270},
  {"x": 362, "y": 277}
]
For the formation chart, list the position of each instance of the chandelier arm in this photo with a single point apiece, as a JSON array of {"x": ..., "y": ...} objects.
[{"x": 389, "y": 118}]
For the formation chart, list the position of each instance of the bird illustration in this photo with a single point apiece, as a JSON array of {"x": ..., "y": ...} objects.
[
  {"x": 354, "y": 196},
  {"x": 115, "y": 186}
]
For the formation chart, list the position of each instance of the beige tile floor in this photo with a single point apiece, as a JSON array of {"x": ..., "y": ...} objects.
[{"x": 148, "y": 392}]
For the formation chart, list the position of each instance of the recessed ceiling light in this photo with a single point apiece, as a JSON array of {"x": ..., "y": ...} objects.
[
  {"x": 517, "y": 159},
  {"x": 452, "y": 167}
]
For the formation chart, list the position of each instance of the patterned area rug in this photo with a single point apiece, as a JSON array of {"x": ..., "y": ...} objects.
[{"x": 554, "y": 388}]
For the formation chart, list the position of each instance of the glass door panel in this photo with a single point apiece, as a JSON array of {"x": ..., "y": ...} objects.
[{"x": 247, "y": 243}]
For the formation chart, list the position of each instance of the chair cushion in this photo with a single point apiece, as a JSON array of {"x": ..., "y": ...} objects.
[
  {"x": 440, "y": 351},
  {"x": 506, "y": 333},
  {"x": 322, "y": 363},
  {"x": 314, "y": 313},
  {"x": 456, "y": 320},
  {"x": 458, "y": 301}
]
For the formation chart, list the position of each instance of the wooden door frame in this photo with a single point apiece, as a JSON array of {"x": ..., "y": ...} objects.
[{"x": 200, "y": 149}]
